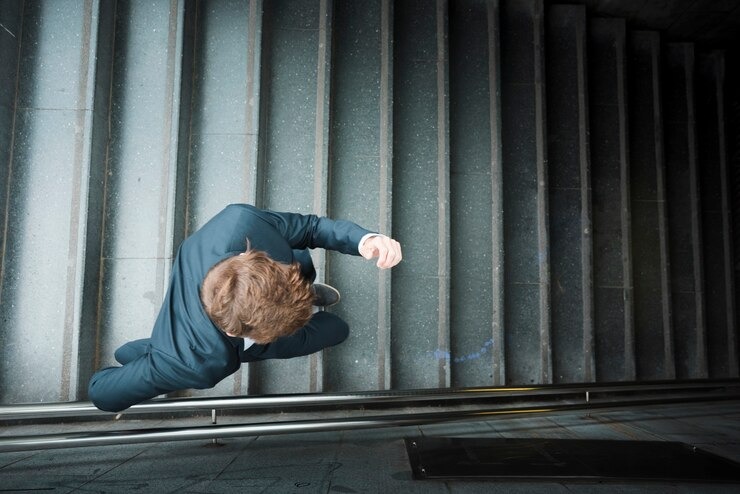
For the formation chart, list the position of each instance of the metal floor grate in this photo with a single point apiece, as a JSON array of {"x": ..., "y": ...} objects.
[{"x": 572, "y": 459}]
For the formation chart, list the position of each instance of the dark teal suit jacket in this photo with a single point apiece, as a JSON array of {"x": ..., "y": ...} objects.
[{"x": 186, "y": 349}]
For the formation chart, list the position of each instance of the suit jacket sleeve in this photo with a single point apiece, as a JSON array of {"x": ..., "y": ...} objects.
[{"x": 311, "y": 231}]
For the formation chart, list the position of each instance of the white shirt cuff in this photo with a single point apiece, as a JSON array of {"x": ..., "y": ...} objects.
[{"x": 367, "y": 236}]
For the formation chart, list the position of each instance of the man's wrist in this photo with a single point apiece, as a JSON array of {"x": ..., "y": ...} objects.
[{"x": 365, "y": 238}]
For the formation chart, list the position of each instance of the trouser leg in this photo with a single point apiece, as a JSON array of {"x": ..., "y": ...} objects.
[
  {"x": 322, "y": 331},
  {"x": 132, "y": 350}
]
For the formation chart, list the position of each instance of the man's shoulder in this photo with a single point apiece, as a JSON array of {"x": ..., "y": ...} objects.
[
  {"x": 229, "y": 218},
  {"x": 229, "y": 229},
  {"x": 240, "y": 213}
]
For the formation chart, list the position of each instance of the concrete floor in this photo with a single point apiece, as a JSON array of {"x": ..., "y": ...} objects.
[{"x": 347, "y": 462}]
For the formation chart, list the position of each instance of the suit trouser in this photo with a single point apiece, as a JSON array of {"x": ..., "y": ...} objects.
[{"x": 322, "y": 331}]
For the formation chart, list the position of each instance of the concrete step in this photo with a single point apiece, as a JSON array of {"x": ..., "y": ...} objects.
[
  {"x": 296, "y": 87},
  {"x": 421, "y": 216},
  {"x": 713, "y": 177},
  {"x": 613, "y": 287},
  {"x": 525, "y": 194},
  {"x": 569, "y": 163},
  {"x": 684, "y": 218},
  {"x": 54, "y": 175},
  {"x": 145, "y": 166},
  {"x": 223, "y": 165},
  {"x": 11, "y": 17},
  {"x": 476, "y": 352},
  {"x": 361, "y": 178},
  {"x": 652, "y": 295}
]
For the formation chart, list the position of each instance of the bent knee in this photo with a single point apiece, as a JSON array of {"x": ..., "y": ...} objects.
[
  {"x": 342, "y": 332},
  {"x": 333, "y": 329},
  {"x": 104, "y": 401},
  {"x": 339, "y": 331}
]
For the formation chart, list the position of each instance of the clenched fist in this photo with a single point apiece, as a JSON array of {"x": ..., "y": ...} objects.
[{"x": 387, "y": 250}]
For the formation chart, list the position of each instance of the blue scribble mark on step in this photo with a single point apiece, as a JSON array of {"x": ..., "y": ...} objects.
[{"x": 446, "y": 355}]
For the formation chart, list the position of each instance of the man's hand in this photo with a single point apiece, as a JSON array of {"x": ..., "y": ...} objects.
[{"x": 387, "y": 250}]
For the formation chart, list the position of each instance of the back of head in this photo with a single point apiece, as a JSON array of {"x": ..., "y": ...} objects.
[{"x": 253, "y": 296}]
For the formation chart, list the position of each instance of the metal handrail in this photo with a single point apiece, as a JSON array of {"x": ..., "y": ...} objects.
[
  {"x": 211, "y": 432},
  {"x": 81, "y": 409}
]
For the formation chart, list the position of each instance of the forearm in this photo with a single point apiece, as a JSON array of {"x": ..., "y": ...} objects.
[{"x": 311, "y": 231}]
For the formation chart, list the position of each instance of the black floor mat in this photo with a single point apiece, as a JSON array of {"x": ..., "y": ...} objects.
[{"x": 574, "y": 459}]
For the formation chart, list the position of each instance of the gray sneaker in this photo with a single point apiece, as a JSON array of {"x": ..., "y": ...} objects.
[{"x": 325, "y": 295}]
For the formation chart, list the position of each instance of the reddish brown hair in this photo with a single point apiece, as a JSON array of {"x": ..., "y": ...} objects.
[{"x": 253, "y": 296}]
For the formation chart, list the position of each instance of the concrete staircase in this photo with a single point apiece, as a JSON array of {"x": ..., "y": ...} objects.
[{"x": 559, "y": 182}]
